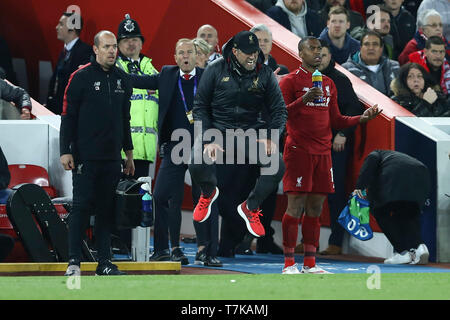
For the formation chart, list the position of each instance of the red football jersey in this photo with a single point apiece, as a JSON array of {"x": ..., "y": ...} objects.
[{"x": 309, "y": 125}]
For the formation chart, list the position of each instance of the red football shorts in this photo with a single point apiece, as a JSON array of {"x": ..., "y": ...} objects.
[{"x": 307, "y": 172}]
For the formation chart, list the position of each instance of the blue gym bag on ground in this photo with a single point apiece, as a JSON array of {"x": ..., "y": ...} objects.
[{"x": 355, "y": 218}]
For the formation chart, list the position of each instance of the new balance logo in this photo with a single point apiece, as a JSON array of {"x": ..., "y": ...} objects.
[{"x": 107, "y": 270}]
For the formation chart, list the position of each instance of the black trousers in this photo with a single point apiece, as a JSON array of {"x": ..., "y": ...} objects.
[
  {"x": 338, "y": 200},
  {"x": 204, "y": 174},
  {"x": 94, "y": 188},
  {"x": 237, "y": 181},
  {"x": 6, "y": 246},
  {"x": 168, "y": 196},
  {"x": 400, "y": 222}
]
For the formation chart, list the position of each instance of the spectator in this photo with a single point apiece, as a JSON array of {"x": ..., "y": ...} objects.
[
  {"x": 208, "y": 33},
  {"x": 95, "y": 127},
  {"x": 144, "y": 103},
  {"x": 175, "y": 113},
  {"x": 381, "y": 23},
  {"x": 342, "y": 147},
  {"x": 74, "y": 54},
  {"x": 397, "y": 186},
  {"x": 429, "y": 23},
  {"x": 355, "y": 18},
  {"x": 442, "y": 6},
  {"x": 404, "y": 21},
  {"x": 414, "y": 90},
  {"x": 264, "y": 5},
  {"x": 219, "y": 106},
  {"x": 432, "y": 58},
  {"x": 342, "y": 45},
  {"x": 295, "y": 16},
  {"x": 370, "y": 65},
  {"x": 6, "y": 62},
  {"x": 307, "y": 153},
  {"x": 264, "y": 36},
  {"x": 203, "y": 49},
  {"x": 19, "y": 96}
]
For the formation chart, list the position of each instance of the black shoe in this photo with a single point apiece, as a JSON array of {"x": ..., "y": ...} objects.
[
  {"x": 108, "y": 269},
  {"x": 245, "y": 246},
  {"x": 178, "y": 255},
  {"x": 268, "y": 247},
  {"x": 200, "y": 257},
  {"x": 213, "y": 262},
  {"x": 163, "y": 255}
]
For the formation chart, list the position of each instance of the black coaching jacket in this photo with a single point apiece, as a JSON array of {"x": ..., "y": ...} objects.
[
  {"x": 95, "y": 122},
  {"x": 229, "y": 97}
]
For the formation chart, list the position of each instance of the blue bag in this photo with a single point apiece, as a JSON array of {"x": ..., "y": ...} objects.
[{"x": 355, "y": 218}]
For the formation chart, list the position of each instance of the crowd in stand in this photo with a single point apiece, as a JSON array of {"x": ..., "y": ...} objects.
[{"x": 400, "y": 48}]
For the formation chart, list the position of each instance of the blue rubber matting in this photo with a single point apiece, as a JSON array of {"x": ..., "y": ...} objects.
[{"x": 270, "y": 263}]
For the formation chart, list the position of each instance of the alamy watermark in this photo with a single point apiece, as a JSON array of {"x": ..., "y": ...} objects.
[
  {"x": 73, "y": 282},
  {"x": 74, "y": 21},
  {"x": 240, "y": 146},
  {"x": 374, "y": 281}
]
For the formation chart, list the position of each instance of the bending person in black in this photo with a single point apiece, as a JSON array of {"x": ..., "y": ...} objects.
[{"x": 397, "y": 186}]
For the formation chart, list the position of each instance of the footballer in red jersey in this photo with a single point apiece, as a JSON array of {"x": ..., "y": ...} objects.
[{"x": 307, "y": 153}]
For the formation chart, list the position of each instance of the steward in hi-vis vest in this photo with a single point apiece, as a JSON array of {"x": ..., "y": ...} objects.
[{"x": 144, "y": 103}]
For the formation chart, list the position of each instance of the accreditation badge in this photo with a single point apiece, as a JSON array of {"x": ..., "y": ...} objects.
[{"x": 190, "y": 116}]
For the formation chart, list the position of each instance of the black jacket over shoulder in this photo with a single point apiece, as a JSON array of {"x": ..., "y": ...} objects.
[
  {"x": 393, "y": 176},
  {"x": 95, "y": 123},
  {"x": 230, "y": 97}
]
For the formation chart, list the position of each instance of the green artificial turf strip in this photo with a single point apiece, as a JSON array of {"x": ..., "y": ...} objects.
[{"x": 219, "y": 287}]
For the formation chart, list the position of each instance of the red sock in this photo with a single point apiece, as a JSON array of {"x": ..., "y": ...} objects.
[
  {"x": 311, "y": 235},
  {"x": 289, "y": 226}
]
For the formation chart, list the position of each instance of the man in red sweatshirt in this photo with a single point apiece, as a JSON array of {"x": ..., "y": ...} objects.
[{"x": 307, "y": 152}]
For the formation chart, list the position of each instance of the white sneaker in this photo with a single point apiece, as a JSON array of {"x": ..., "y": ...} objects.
[
  {"x": 291, "y": 269},
  {"x": 314, "y": 270},
  {"x": 399, "y": 258},
  {"x": 420, "y": 255}
]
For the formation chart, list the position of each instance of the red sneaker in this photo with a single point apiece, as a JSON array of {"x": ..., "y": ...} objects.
[
  {"x": 251, "y": 219},
  {"x": 203, "y": 208}
]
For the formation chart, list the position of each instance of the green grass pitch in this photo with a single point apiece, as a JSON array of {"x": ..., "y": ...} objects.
[{"x": 398, "y": 286}]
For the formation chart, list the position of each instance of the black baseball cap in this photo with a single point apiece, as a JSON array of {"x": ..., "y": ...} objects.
[{"x": 246, "y": 41}]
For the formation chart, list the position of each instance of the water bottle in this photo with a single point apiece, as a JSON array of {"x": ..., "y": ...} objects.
[
  {"x": 317, "y": 82},
  {"x": 147, "y": 202},
  {"x": 147, "y": 210}
]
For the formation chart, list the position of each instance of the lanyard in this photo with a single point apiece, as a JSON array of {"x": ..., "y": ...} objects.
[{"x": 182, "y": 93}]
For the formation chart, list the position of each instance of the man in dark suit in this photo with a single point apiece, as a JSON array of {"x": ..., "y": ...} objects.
[
  {"x": 177, "y": 86},
  {"x": 74, "y": 54}
]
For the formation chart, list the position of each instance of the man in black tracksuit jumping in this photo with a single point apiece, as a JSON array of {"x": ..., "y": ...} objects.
[{"x": 95, "y": 127}]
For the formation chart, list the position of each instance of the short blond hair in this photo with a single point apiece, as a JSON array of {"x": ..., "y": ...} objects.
[{"x": 184, "y": 40}]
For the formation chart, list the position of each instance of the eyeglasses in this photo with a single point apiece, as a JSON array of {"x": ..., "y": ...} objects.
[{"x": 434, "y": 25}]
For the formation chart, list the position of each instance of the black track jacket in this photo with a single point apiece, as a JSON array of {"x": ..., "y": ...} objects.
[{"x": 95, "y": 123}]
